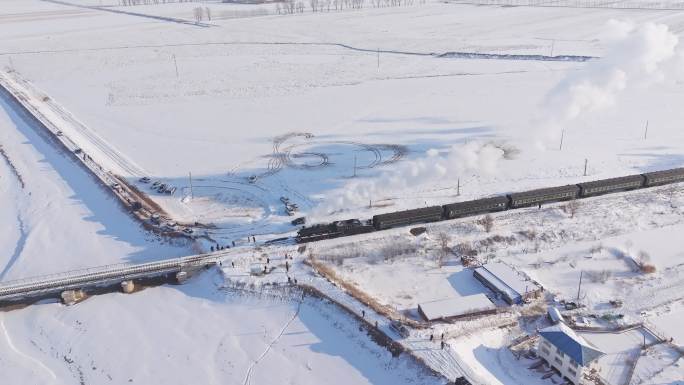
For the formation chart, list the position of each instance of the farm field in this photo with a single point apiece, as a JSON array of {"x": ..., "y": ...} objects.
[{"x": 263, "y": 100}]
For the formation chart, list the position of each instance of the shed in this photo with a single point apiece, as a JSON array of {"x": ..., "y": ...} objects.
[
  {"x": 505, "y": 281},
  {"x": 451, "y": 308},
  {"x": 555, "y": 315}
]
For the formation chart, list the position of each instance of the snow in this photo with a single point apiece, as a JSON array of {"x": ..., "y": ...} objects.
[
  {"x": 62, "y": 219},
  {"x": 620, "y": 349},
  {"x": 195, "y": 333},
  {"x": 317, "y": 108},
  {"x": 453, "y": 307},
  {"x": 669, "y": 323},
  {"x": 248, "y": 81}
]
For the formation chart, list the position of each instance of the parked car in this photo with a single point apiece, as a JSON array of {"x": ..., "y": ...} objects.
[{"x": 144, "y": 179}]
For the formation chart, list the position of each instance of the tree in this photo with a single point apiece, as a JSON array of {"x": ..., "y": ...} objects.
[
  {"x": 207, "y": 12},
  {"x": 443, "y": 239},
  {"x": 197, "y": 12},
  {"x": 487, "y": 222},
  {"x": 572, "y": 207}
]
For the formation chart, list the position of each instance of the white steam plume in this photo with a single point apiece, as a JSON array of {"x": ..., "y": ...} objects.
[
  {"x": 636, "y": 56},
  {"x": 435, "y": 166}
]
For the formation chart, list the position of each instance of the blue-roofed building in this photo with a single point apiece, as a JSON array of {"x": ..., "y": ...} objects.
[{"x": 567, "y": 352}]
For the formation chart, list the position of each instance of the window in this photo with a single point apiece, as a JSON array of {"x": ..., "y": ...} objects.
[
  {"x": 559, "y": 352},
  {"x": 573, "y": 363},
  {"x": 558, "y": 361},
  {"x": 574, "y": 373},
  {"x": 545, "y": 351}
]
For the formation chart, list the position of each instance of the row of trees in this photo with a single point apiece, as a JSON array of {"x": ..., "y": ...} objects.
[
  {"x": 292, "y": 6},
  {"x": 201, "y": 13},
  {"x": 150, "y": 2}
]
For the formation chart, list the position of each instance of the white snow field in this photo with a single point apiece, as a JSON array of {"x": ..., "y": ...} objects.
[
  {"x": 196, "y": 333},
  {"x": 235, "y": 100},
  {"x": 55, "y": 216},
  {"x": 346, "y": 114}
]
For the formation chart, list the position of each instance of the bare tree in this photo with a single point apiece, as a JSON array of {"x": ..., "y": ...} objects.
[
  {"x": 197, "y": 12},
  {"x": 572, "y": 207},
  {"x": 443, "y": 239},
  {"x": 207, "y": 12},
  {"x": 487, "y": 222}
]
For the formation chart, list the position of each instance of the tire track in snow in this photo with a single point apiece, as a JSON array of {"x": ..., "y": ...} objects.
[
  {"x": 22, "y": 354},
  {"x": 248, "y": 376}
]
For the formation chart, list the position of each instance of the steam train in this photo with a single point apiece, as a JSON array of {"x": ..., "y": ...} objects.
[{"x": 487, "y": 205}]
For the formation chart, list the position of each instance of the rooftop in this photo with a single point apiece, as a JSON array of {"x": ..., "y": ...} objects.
[
  {"x": 454, "y": 307},
  {"x": 571, "y": 344}
]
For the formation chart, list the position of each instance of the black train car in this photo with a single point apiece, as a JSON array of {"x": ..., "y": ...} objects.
[
  {"x": 606, "y": 186},
  {"x": 544, "y": 195},
  {"x": 664, "y": 177},
  {"x": 463, "y": 209},
  {"x": 351, "y": 227},
  {"x": 408, "y": 217}
]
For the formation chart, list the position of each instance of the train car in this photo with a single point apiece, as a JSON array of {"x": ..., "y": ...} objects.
[
  {"x": 658, "y": 178},
  {"x": 486, "y": 205},
  {"x": 408, "y": 217},
  {"x": 544, "y": 195},
  {"x": 352, "y": 227},
  {"x": 606, "y": 186}
]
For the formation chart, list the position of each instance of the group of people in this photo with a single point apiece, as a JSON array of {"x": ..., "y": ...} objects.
[{"x": 443, "y": 344}]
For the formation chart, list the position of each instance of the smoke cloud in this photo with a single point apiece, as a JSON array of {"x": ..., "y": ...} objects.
[
  {"x": 435, "y": 166},
  {"x": 636, "y": 56}
]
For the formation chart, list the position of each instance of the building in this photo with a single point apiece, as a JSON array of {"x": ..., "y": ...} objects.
[
  {"x": 506, "y": 282},
  {"x": 452, "y": 308},
  {"x": 567, "y": 352},
  {"x": 555, "y": 315}
]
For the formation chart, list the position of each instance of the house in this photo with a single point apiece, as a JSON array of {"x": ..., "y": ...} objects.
[
  {"x": 452, "y": 308},
  {"x": 506, "y": 282},
  {"x": 567, "y": 352}
]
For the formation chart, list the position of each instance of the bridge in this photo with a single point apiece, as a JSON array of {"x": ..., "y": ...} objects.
[{"x": 15, "y": 291}]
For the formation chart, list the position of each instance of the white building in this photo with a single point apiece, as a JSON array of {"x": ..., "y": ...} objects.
[
  {"x": 452, "y": 308},
  {"x": 567, "y": 352}
]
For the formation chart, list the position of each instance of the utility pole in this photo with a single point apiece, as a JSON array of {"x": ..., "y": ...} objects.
[
  {"x": 370, "y": 204},
  {"x": 354, "y": 165},
  {"x": 561, "y": 142},
  {"x": 585, "y": 166},
  {"x": 192, "y": 194},
  {"x": 175, "y": 64},
  {"x": 458, "y": 187},
  {"x": 553, "y": 43},
  {"x": 646, "y": 130},
  {"x": 378, "y": 59},
  {"x": 579, "y": 287}
]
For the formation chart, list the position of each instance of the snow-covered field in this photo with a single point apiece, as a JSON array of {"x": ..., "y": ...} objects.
[
  {"x": 196, "y": 333},
  {"x": 346, "y": 114},
  {"x": 55, "y": 216},
  {"x": 224, "y": 102}
]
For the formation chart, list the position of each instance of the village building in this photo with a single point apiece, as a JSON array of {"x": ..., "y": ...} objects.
[
  {"x": 457, "y": 307},
  {"x": 507, "y": 283},
  {"x": 567, "y": 352}
]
